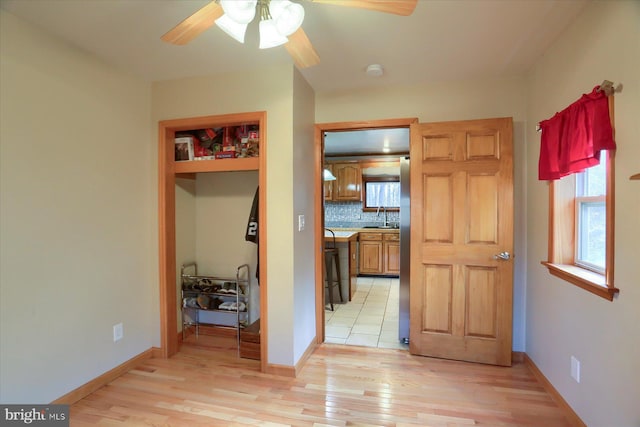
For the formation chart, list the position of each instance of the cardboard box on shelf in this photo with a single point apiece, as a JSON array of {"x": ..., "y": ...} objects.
[{"x": 225, "y": 155}]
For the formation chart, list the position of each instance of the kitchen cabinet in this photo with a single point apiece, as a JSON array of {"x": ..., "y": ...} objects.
[
  {"x": 380, "y": 253},
  {"x": 370, "y": 253},
  {"x": 348, "y": 181},
  {"x": 391, "y": 254}
]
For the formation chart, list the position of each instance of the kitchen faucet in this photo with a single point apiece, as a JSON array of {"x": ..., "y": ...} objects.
[{"x": 384, "y": 211}]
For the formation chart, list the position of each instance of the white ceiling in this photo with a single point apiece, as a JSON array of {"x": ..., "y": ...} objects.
[
  {"x": 366, "y": 142},
  {"x": 443, "y": 40}
]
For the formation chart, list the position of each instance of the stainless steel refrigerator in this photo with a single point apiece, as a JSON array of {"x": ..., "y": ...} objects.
[{"x": 405, "y": 248}]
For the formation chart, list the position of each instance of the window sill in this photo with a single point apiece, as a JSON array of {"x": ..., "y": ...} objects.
[{"x": 585, "y": 279}]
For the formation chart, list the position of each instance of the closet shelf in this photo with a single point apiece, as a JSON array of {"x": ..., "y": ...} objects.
[{"x": 219, "y": 165}]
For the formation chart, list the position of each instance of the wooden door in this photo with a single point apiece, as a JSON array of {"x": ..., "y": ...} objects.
[{"x": 461, "y": 218}]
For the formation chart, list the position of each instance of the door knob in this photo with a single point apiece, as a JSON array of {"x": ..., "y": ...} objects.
[{"x": 502, "y": 255}]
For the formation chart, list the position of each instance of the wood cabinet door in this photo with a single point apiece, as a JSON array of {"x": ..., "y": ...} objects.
[
  {"x": 371, "y": 257},
  {"x": 392, "y": 258},
  {"x": 348, "y": 183},
  {"x": 461, "y": 218}
]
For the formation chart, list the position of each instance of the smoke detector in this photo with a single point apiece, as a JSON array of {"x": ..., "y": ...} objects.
[{"x": 375, "y": 70}]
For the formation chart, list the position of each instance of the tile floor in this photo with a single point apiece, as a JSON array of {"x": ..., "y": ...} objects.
[{"x": 371, "y": 317}]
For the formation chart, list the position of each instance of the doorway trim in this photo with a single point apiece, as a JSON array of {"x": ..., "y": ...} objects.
[
  {"x": 319, "y": 130},
  {"x": 169, "y": 335}
]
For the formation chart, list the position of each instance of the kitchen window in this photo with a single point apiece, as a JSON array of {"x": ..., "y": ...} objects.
[
  {"x": 581, "y": 225},
  {"x": 381, "y": 192}
]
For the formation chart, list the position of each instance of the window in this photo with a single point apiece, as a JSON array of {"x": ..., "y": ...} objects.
[
  {"x": 581, "y": 224},
  {"x": 383, "y": 192},
  {"x": 591, "y": 218}
]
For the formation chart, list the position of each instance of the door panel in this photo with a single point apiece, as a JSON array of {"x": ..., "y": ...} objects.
[
  {"x": 371, "y": 257},
  {"x": 462, "y": 215},
  {"x": 347, "y": 185},
  {"x": 391, "y": 258},
  {"x": 483, "y": 208},
  {"x": 438, "y": 290},
  {"x": 438, "y": 218}
]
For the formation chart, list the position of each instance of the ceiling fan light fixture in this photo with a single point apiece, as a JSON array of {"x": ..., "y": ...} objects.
[
  {"x": 241, "y": 11},
  {"x": 231, "y": 27},
  {"x": 269, "y": 35},
  {"x": 287, "y": 16}
]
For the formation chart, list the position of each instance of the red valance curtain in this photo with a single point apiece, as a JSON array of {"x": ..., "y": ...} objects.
[{"x": 573, "y": 138}]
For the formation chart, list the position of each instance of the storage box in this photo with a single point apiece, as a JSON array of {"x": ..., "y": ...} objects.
[
  {"x": 225, "y": 155},
  {"x": 250, "y": 341}
]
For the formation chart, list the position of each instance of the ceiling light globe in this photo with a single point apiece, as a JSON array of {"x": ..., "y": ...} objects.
[
  {"x": 231, "y": 27},
  {"x": 269, "y": 35},
  {"x": 287, "y": 16},
  {"x": 241, "y": 11}
]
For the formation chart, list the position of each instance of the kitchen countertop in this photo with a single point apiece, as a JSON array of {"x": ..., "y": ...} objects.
[
  {"x": 342, "y": 235},
  {"x": 366, "y": 230}
]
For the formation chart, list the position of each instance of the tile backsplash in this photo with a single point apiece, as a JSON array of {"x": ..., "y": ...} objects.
[{"x": 350, "y": 215}]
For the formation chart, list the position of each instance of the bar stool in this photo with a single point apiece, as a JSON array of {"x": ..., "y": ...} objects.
[{"x": 331, "y": 258}]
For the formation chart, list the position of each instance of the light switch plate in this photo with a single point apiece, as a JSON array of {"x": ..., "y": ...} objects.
[
  {"x": 300, "y": 222},
  {"x": 575, "y": 369},
  {"x": 118, "y": 332}
]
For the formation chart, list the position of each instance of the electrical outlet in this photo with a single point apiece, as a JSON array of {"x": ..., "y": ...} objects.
[
  {"x": 300, "y": 222},
  {"x": 118, "y": 332},
  {"x": 575, "y": 369}
]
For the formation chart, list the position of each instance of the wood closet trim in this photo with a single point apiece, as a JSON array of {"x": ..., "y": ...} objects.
[
  {"x": 166, "y": 219},
  {"x": 319, "y": 197}
]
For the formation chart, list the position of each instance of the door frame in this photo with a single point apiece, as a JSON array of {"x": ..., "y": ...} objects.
[
  {"x": 320, "y": 128},
  {"x": 169, "y": 336}
]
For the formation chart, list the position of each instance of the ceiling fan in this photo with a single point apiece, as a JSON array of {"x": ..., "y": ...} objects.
[{"x": 280, "y": 22}]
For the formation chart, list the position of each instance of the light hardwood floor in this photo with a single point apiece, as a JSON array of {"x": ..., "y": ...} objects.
[{"x": 204, "y": 385}]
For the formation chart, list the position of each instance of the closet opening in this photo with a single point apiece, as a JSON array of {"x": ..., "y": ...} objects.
[{"x": 211, "y": 212}]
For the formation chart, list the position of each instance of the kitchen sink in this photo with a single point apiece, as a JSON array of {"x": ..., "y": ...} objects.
[{"x": 380, "y": 226}]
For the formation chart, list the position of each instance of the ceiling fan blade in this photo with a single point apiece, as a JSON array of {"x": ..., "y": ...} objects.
[
  {"x": 301, "y": 49},
  {"x": 191, "y": 27},
  {"x": 397, "y": 7}
]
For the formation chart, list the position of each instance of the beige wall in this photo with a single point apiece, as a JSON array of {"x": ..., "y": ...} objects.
[
  {"x": 443, "y": 102},
  {"x": 76, "y": 243},
  {"x": 223, "y": 203},
  {"x": 563, "y": 320},
  {"x": 303, "y": 204}
]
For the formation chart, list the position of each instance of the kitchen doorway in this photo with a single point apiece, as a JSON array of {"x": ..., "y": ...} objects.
[{"x": 370, "y": 314}]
